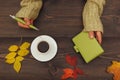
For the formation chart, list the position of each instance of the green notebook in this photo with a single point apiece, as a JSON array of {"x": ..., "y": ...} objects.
[{"x": 89, "y": 48}]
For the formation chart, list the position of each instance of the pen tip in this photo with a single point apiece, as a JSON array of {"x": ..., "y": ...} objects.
[{"x": 12, "y": 16}]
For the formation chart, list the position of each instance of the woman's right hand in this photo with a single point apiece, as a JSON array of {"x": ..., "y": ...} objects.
[{"x": 27, "y": 21}]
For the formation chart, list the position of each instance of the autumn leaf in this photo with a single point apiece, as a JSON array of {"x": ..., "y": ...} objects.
[
  {"x": 23, "y": 52},
  {"x": 13, "y": 48},
  {"x": 79, "y": 71},
  {"x": 10, "y": 61},
  {"x": 17, "y": 66},
  {"x": 71, "y": 60},
  {"x": 25, "y": 45},
  {"x": 16, "y": 55},
  {"x": 19, "y": 58},
  {"x": 71, "y": 73},
  {"x": 11, "y": 55},
  {"x": 115, "y": 70},
  {"x": 68, "y": 73}
]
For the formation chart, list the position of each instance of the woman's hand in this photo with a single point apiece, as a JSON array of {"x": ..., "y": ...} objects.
[
  {"x": 97, "y": 35},
  {"x": 27, "y": 21}
]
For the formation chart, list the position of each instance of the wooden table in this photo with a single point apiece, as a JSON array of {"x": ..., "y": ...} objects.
[{"x": 61, "y": 19}]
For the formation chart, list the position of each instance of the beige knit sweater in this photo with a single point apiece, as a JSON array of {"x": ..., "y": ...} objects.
[
  {"x": 91, "y": 15},
  {"x": 29, "y": 9}
]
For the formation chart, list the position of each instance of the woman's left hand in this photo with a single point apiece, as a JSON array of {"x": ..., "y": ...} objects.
[{"x": 97, "y": 35}]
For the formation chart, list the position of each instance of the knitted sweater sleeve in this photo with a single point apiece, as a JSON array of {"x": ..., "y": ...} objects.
[
  {"x": 29, "y": 9},
  {"x": 91, "y": 16}
]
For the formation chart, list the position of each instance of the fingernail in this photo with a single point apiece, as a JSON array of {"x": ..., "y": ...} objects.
[{"x": 91, "y": 36}]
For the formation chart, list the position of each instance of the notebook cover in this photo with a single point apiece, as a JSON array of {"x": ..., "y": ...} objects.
[{"x": 89, "y": 48}]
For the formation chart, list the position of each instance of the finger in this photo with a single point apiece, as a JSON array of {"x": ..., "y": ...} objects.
[
  {"x": 99, "y": 36},
  {"x": 27, "y": 21},
  {"x": 22, "y": 25},
  {"x": 91, "y": 34},
  {"x": 31, "y": 21}
]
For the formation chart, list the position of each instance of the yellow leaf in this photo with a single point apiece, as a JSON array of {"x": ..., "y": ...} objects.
[
  {"x": 19, "y": 58},
  {"x": 13, "y": 48},
  {"x": 25, "y": 45},
  {"x": 23, "y": 52},
  {"x": 10, "y": 61},
  {"x": 17, "y": 66},
  {"x": 10, "y": 55}
]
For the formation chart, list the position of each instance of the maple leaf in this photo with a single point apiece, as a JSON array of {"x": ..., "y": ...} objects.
[
  {"x": 115, "y": 70},
  {"x": 68, "y": 73}
]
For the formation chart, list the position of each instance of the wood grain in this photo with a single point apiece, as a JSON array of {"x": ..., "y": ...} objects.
[
  {"x": 61, "y": 19},
  {"x": 32, "y": 68}
]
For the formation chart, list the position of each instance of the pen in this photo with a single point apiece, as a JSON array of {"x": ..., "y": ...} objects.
[{"x": 23, "y": 22}]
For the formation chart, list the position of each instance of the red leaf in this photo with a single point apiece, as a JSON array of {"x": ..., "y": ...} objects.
[
  {"x": 74, "y": 61},
  {"x": 79, "y": 71},
  {"x": 75, "y": 74},
  {"x": 68, "y": 59},
  {"x": 71, "y": 60}
]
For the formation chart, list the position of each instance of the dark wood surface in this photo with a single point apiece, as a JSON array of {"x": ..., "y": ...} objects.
[{"x": 62, "y": 20}]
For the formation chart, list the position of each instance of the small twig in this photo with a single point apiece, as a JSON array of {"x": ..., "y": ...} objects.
[{"x": 21, "y": 39}]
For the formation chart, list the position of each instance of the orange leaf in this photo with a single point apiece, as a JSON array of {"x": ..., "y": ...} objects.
[
  {"x": 68, "y": 73},
  {"x": 115, "y": 70}
]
